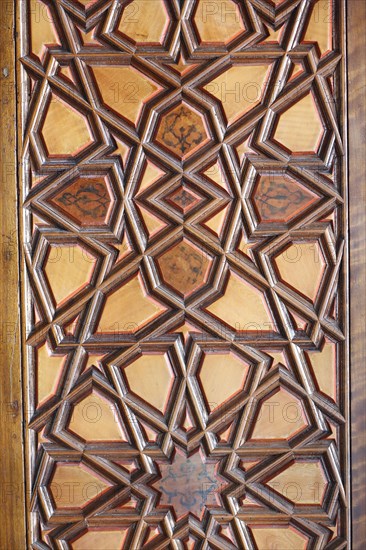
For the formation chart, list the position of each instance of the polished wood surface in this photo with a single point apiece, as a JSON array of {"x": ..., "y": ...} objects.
[
  {"x": 261, "y": 338},
  {"x": 357, "y": 197},
  {"x": 301, "y": 266},
  {"x": 185, "y": 270},
  {"x": 13, "y": 518},
  {"x": 145, "y": 22},
  {"x": 209, "y": 21},
  {"x": 288, "y": 133},
  {"x": 64, "y": 131}
]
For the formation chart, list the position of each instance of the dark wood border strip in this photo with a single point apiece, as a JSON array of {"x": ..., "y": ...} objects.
[
  {"x": 357, "y": 214},
  {"x": 12, "y": 501}
]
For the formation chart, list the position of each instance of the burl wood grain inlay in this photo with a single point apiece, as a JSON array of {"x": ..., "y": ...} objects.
[
  {"x": 86, "y": 200},
  {"x": 182, "y": 130},
  {"x": 184, "y": 199},
  {"x": 184, "y": 267},
  {"x": 280, "y": 198}
]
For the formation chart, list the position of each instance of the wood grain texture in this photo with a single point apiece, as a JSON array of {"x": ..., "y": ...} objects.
[
  {"x": 143, "y": 312},
  {"x": 181, "y": 126},
  {"x": 12, "y": 528},
  {"x": 357, "y": 197}
]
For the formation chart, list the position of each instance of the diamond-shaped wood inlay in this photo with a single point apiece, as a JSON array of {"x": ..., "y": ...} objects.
[{"x": 184, "y": 199}]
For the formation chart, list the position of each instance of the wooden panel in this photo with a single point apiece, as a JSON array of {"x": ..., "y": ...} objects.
[
  {"x": 357, "y": 194},
  {"x": 198, "y": 307},
  {"x": 12, "y": 494}
]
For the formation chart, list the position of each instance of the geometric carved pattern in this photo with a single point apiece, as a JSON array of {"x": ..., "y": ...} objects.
[{"x": 182, "y": 179}]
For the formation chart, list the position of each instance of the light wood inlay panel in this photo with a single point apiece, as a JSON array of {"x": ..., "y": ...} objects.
[
  {"x": 222, "y": 376},
  {"x": 218, "y": 22},
  {"x": 48, "y": 372},
  {"x": 280, "y": 416},
  {"x": 309, "y": 487},
  {"x": 239, "y": 89},
  {"x": 144, "y": 22},
  {"x": 302, "y": 267},
  {"x": 64, "y": 131},
  {"x": 73, "y": 486},
  {"x": 100, "y": 540},
  {"x": 95, "y": 418},
  {"x": 300, "y": 128},
  {"x": 127, "y": 309},
  {"x": 279, "y": 538},
  {"x": 150, "y": 378},
  {"x": 242, "y": 306},
  {"x": 68, "y": 270},
  {"x": 124, "y": 89}
]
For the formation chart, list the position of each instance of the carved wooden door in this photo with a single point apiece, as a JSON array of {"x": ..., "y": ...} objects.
[{"x": 183, "y": 208}]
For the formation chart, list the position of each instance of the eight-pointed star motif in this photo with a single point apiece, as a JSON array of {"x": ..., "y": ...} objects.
[{"x": 189, "y": 484}]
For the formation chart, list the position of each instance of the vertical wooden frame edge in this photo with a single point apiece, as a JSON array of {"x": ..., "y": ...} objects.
[
  {"x": 356, "y": 13},
  {"x": 22, "y": 94},
  {"x": 12, "y": 490}
]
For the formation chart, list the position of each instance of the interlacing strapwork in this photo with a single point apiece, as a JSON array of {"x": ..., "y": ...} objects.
[{"x": 183, "y": 205}]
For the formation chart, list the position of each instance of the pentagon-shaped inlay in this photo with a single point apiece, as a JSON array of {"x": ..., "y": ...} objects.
[
  {"x": 280, "y": 416},
  {"x": 303, "y": 483},
  {"x": 222, "y": 376},
  {"x": 68, "y": 269},
  {"x": 150, "y": 377},
  {"x": 97, "y": 539},
  {"x": 65, "y": 131},
  {"x": 301, "y": 266},
  {"x": 218, "y": 22},
  {"x": 293, "y": 133},
  {"x": 128, "y": 309},
  {"x": 182, "y": 130},
  {"x": 284, "y": 538},
  {"x": 74, "y": 485},
  {"x": 185, "y": 267},
  {"x": 86, "y": 200},
  {"x": 280, "y": 199},
  {"x": 124, "y": 89},
  {"x": 145, "y": 22},
  {"x": 95, "y": 418},
  {"x": 242, "y": 306}
]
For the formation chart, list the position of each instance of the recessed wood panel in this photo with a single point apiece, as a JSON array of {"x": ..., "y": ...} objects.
[
  {"x": 74, "y": 486},
  {"x": 65, "y": 131},
  {"x": 218, "y": 22},
  {"x": 98, "y": 540},
  {"x": 124, "y": 89},
  {"x": 299, "y": 128},
  {"x": 150, "y": 377},
  {"x": 144, "y": 22},
  {"x": 184, "y": 206}
]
